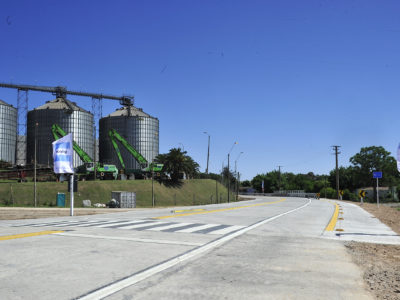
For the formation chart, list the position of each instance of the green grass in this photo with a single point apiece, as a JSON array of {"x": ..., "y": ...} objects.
[{"x": 192, "y": 192}]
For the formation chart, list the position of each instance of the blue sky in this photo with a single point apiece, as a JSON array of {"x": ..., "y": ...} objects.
[{"x": 285, "y": 79}]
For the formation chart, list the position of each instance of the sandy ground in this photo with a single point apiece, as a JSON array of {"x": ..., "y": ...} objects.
[{"x": 380, "y": 263}]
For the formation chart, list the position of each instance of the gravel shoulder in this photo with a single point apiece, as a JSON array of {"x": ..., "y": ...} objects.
[{"x": 380, "y": 263}]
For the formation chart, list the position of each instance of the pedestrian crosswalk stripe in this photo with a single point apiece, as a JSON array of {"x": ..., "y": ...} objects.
[
  {"x": 117, "y": 224},
  {"x": 192, "y": 229},
  {"x": 227, "y": 229},
  {"x": 169, "y": 226},
  {"x": 142, "y": 225}
]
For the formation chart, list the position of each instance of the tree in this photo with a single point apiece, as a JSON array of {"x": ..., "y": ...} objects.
[
  {"x": 246, "y": 183},
  {"x": 371, "y": 159},
  {"x": 176, "y": 162}
]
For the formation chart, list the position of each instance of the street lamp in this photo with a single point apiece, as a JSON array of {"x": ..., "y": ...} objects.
[
  {"x": 229, "y": 180},
  {"x": 208, "y": 151},
  {"x": 237, "y": 174},
  {"x": 152, "y": 170},
  {"x": 34, "y": 171}
]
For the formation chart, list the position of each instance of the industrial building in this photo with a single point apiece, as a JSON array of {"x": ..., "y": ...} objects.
[
  {"x": 8, "y": 132},
  {"x": 70, "y": 117},
  {"x": 22, "y": 131},
  {"x": 138, "y": 128}
]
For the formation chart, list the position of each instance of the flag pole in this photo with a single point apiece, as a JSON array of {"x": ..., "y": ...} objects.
[{"x": 71, "y": 211}]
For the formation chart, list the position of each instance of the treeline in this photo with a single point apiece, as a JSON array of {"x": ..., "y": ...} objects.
[{"x": 357, "y": 175}]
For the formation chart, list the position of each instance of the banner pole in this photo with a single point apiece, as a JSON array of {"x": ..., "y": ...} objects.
[{"x": 72, "y": 195}]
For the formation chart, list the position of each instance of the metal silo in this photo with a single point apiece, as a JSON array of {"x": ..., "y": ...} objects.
[
  {"x": 70, "y": 117},
  {"x": 8, "y": 132},
  {"x": 140, "y": 130}
]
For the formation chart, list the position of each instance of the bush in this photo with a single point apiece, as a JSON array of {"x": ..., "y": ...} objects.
[{"x": 330, "y": 193}]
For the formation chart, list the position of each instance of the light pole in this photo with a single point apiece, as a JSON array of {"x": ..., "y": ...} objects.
[
  {"x": 34, "y": 168},
  {"x": 208, "y": 151},
  {"x": 237, "y": 174},
  {"x": 152, "y": 170},
  {"x": 229, "y": 180}
]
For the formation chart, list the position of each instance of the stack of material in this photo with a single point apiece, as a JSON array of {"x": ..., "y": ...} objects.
[{"x": 125, "y": 199}]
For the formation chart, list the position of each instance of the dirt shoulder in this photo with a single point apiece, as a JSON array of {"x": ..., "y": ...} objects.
[{"x": 380, "y": 263}]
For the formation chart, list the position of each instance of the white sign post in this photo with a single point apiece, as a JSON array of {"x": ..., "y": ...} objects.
[
  {"x": 63, "y": 161},
  {"x": 377, "y": 175}
]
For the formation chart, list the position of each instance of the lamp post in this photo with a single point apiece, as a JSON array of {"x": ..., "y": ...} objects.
[
  {"x": 236, "y": 174},
  {"x": 208, "y": 151},
  {"x": 229, "y": 180},
  {"x": 34, "y": 168},
  {"x": 152, "y": 170}
]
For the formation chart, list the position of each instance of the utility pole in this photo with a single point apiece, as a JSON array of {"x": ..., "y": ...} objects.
[
  {"x": 336, "y": 148},
  {"x": 279, "y": 177},
  {"x": 229, "y": 173},
  {"x": 208, "y": 151},
  {"x": 35, "y": 165}
]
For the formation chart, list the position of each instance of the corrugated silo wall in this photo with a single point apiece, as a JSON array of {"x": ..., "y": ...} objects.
[
  {"x": 8, "y": 133},
  {"x": 78, "y": 122},
  {"x": 141, "y": 132}
]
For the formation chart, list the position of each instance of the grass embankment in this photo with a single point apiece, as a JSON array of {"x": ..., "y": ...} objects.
[{"x": 191, "y": 192}]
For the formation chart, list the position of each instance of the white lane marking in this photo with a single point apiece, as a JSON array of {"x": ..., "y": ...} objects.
[
  {"x": 100, "y": 223},
  {"x": 121, "y": 284},
  {"x": 141, "y": 225},
  {"x": 119, "y": 223},
  {"x": 226, "y": 230},
  {"x": 169, "y": 226},
  {"x": 76, "y": 223},
  {"x": 197, "y": 228},
  {"x": 128, "y": 239}
]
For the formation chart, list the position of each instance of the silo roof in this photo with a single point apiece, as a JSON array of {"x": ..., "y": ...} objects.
[
  {"x": 61, "y": 103},
  {"x": 129, "y": 111},
  {"x": 5, "y": 103}
]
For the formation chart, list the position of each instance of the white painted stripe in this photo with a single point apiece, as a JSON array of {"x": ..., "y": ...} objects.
[
  {"x": 128, "y": 239},
  {"x": 141, "y": 225},
  {"x": 197, "y": 228},
  {"x": 226, "y": 230},
  {"x": 91, "y": 224},
  {"x": 119, "y": 223},
  {"x": 169, "y": 226},
  {"x": 121, "y": 284},
  {"x": 75, "y": 223}
]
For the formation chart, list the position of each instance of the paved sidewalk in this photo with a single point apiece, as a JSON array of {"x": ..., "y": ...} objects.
[{"x": 356, "y": 224}]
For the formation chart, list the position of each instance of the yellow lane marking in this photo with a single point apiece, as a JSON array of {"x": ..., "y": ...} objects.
[
  {"x": 333, "y": 220},
  {"x": 217, "y": 210},
  {"x": 24, "y": 235},
  {"x": 184, "y": 210}
]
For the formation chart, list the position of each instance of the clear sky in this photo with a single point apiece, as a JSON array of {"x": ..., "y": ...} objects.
[{"x": 285, "y": 79}]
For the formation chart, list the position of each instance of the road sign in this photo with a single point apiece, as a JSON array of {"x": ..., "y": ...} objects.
[
  {"x": 377, "y": 174},
  {"x": 361, "y": 194},
  {"x": 341, "y": 192}
]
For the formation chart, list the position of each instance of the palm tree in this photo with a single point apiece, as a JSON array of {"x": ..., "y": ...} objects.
[{"x": 176, "y": 162}]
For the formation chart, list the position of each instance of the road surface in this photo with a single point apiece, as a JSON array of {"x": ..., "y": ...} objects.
[{"x": 278, "y": 248}]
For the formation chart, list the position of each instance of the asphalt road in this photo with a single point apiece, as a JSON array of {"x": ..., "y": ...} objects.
[{"x": 268, "y": 248}]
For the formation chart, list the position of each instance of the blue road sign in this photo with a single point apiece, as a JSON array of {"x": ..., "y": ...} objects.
[{"x": 377, "y": 174}]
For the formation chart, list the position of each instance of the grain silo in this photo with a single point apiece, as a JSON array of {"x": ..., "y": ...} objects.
[
  {"x": 138, "y": 128},
  {"x": 8, "y": 132},
  {"x": 70, "y": 117}
]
